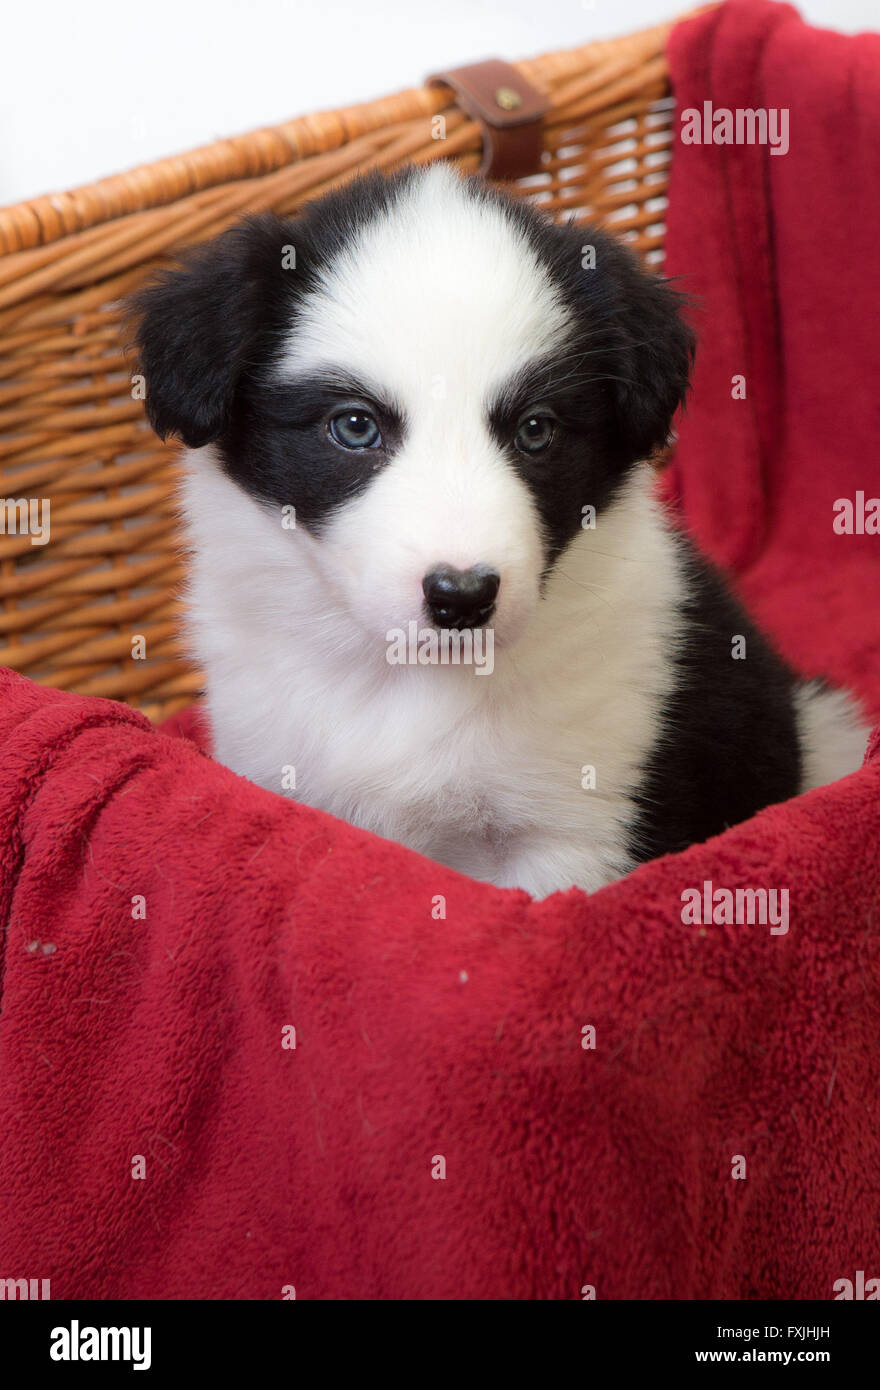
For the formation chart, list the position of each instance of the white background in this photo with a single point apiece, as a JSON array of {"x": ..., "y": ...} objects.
[{"x": 91, "y": 87}]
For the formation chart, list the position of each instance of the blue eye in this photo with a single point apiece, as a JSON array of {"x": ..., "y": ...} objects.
[
  {"x": 355, "y": 429},
  {"x": 534, "y": 435}
]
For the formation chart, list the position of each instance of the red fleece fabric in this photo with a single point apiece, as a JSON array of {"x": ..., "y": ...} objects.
[
  {"x": 425, "y": 1044},
  {"x": 447, "y": 1125},
  {"x": 781, "y": 254}
]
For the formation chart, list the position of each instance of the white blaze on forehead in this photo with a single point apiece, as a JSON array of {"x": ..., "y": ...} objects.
[{"x": 441, "y": 297}]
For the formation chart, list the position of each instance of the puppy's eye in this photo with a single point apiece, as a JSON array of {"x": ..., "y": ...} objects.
[
  {"x": 355, "y": 429},
  {"x": 534, "y": 434}
]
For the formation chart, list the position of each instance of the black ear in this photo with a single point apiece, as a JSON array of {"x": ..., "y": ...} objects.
[
  {"x": 653, "y": 352},
  {"x": 195, "y": 328}
]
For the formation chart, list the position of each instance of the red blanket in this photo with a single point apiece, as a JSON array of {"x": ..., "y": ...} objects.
[
  {"x": 781, "y": 253},
  {"x": 246, "y": 1049}
]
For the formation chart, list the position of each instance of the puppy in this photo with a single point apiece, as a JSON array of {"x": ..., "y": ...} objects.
[{"x": 432, "y": 590}]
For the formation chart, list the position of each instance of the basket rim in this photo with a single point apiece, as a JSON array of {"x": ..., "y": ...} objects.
[{"x": 50, "y": 217}]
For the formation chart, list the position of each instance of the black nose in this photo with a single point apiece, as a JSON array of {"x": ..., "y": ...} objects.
[{"x": 460, "y": 598}]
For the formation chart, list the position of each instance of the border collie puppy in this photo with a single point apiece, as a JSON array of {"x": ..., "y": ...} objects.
[{"x": 416, "y": 413}]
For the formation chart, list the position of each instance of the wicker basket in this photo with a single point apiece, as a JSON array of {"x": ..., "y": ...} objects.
[{"x": 71, "y": 432}]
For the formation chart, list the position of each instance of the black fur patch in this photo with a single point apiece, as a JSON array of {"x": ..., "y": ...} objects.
[
  {"x": 615, "y": 384},
  {"x": 211, "y": 333},
  {"x": 729, "y": 743},
  {"x": 277, "y": 445}
]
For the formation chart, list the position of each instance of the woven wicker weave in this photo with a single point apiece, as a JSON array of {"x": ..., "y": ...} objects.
[{"x": 70, "y": 431}]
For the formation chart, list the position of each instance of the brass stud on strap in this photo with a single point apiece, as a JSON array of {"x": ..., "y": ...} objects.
[{"x": 507, "y": 98}]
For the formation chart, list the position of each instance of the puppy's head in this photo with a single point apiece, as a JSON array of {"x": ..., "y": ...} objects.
[{"x": 434, "y": 376}]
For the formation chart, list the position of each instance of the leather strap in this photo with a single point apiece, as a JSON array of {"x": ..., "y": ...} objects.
[{"x": 509, "y": 110}]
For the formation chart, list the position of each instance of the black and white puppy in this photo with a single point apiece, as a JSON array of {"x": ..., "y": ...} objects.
[{"x": 420, "y": 409}]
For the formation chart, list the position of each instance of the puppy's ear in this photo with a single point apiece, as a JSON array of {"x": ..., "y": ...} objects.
[
  {"x": 653, "y": 352},
  {"x": 195, "y": 328}
]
